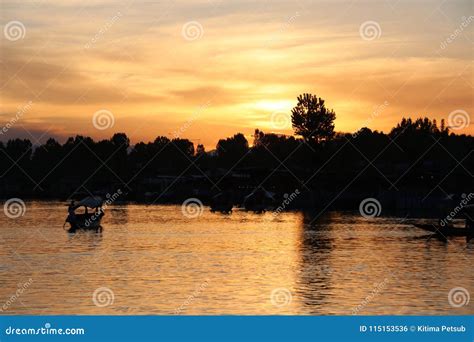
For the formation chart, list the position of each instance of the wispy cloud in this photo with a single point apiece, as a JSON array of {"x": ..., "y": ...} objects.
[{"x": 131, "y": 58}]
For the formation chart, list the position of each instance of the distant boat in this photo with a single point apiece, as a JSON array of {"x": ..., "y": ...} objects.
[
  {"x": 259, "y": 201},
  {"x": 222, "y": 203},
  {"x": 446, "y": 231},
  {"x": 85, "y": 220}
]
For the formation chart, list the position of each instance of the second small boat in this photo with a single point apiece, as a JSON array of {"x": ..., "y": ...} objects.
[{"x": 445, "y": 231}]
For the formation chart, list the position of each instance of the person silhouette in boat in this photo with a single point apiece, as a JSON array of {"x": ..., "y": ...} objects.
[
  {"x": 468, "y": 213},
  {"x": 469, "y": 223},
  {"x": 469, "y": 220},
  {"x": 71, "y": 211}
]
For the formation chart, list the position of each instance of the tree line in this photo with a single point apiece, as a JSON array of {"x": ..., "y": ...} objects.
[{"x": 415, "y": 155}]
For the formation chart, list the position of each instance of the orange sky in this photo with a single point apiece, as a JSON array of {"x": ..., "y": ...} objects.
[{"x": 207, "y": 69}]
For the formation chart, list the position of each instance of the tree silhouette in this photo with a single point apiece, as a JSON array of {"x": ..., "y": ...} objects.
[
  {"x": 312, "y": 120},
  {"x": 200, "y": 150},
  {"x": 231, "y": 150},
  {"x": 420, "y": 125},
  {"x": 417, "y": 156}
]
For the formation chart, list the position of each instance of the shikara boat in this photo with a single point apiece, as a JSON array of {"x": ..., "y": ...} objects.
[
  {"x": 445, "y": 231},
  {"x": 225, "y": 208},
  {"x": 259, "y": 201},
  {"x": 85, "y": 220},
  {"x": 222, "y": 203}
]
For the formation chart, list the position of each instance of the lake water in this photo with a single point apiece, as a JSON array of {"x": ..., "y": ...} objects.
[{"x": 155, "y": 260}]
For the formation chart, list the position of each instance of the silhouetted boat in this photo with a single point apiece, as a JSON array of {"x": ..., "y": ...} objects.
[
  {"x": 85, "y": 220},
  {"x": 259, "y": 201},
  {"x": 445, "y": 231},
  {"x": 222, "y": 202}
]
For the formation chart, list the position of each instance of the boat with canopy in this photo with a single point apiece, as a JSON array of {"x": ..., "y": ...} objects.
[
  {"x": 446, "y": 228},
  {"x": 87, "y": 219}
]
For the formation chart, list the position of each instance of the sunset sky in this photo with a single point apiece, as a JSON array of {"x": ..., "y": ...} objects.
[{"x": 208, "y": 69}]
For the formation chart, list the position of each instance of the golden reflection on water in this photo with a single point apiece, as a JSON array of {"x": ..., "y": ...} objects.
[{"x": 154, "y": 260}]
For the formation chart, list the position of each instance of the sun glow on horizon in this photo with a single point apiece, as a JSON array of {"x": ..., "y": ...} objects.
[{"x": 229, "y": 67}]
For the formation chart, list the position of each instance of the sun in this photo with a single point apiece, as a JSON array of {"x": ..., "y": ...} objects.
[{"x": 274, "y": 105}]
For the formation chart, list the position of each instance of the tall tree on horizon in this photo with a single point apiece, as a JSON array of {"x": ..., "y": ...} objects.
[
  {"x": 312, "y": 120},
  {"x": 232, "y": 150}
]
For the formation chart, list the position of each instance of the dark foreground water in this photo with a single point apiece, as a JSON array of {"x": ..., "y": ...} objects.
[{"x": 155, "y": 260}]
